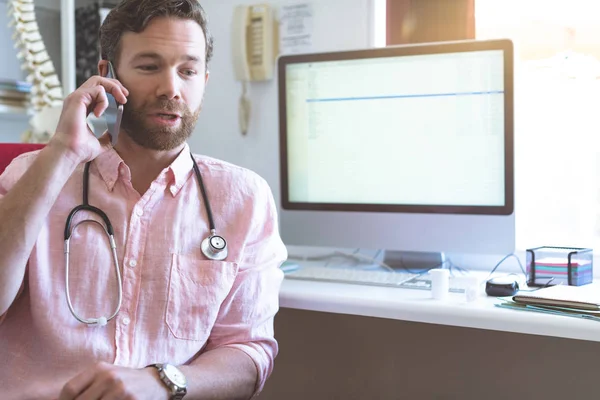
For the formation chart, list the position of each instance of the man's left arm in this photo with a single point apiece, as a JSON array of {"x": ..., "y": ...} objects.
[
  {"x": 243, "y": 333},
  {"x": 240, "y": 352},
  {"x": 241, "y": 349}
]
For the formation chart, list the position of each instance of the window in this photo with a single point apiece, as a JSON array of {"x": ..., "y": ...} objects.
[
  {"x": 418, "y": 21},
  {"x": 379, "y": 23},
  {"x": 557, "y": 97}
]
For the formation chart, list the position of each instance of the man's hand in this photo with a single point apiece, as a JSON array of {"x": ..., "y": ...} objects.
[
  {"x": 73, "y": 136},
  {"x": 109, "y": 382}
]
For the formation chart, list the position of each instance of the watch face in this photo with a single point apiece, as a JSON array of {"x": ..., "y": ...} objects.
[{"x": 174, "y": 375}]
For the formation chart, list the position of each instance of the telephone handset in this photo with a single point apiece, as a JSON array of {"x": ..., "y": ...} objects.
[
  {"x": 254, "y": 51},
  {"x": 114, "y": 112},
  {"x": 253, "y": 42}
]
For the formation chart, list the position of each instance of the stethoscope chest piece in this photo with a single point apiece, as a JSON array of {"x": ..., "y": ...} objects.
[{"x": 214, "y": 247}]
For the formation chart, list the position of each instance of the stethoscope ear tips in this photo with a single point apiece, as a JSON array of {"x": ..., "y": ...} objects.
[{"x": 214, "y": 247}]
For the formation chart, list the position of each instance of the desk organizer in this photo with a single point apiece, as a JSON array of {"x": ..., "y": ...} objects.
[{"x": 549, "y": 265}]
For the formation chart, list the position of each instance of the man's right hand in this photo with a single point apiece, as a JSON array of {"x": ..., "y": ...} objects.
[{"x": 73, "y": 135}]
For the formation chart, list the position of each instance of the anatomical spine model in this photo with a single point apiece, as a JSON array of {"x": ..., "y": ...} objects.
[{"x": 46, "y": 92}]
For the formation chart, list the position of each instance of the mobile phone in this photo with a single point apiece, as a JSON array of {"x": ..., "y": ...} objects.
[{"x": 114, "y": 112}]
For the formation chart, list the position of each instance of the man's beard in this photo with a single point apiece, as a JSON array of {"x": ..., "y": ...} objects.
[{"x": 150, "y": 136}]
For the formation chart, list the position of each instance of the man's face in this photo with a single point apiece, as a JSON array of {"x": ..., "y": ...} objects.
[{"x": 164, "y": 70}]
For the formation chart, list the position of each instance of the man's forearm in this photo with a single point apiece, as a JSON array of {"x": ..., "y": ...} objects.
[
  {"x": 23, "y": 211},
  {"x": 223, "y": 373}
]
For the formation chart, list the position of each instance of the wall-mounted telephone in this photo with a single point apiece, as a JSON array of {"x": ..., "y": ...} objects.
[
  {"x": 253, "y": 42},
  {"x": 254, "y": 51}
]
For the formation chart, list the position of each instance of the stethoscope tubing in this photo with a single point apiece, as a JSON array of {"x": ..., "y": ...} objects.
[
  {"x": 113, "y": 246},
  {"x": 208, "y": 250}
]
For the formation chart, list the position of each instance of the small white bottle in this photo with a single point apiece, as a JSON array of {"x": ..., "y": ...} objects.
[{"x": 440, "y": 283}]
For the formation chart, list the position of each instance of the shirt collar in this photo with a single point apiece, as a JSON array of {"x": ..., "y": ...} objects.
[
  {"x": 111, "y": 166},
  {"x": 180, "y": 170}
]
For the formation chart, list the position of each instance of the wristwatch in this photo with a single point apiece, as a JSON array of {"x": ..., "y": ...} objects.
[{"x": 173, "y": 378}]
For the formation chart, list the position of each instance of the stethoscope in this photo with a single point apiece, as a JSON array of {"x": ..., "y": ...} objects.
[{"x": 214, "y": 247}]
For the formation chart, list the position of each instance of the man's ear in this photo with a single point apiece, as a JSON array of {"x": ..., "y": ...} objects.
[
  {"x": 103, "y": 67},
  {"x": 206, "y": 77}
]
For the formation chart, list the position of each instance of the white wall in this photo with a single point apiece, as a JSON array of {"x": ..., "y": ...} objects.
[{"x": 337, "y": 25}]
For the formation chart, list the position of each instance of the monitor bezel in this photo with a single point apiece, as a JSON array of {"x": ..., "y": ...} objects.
[{"x": 505, "y": 45}]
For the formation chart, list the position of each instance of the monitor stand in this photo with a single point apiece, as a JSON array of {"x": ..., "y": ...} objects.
[{"x": 413, "y": 260}]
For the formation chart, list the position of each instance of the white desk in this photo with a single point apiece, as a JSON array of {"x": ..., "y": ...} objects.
[
  {"x": 417, "y": 306},
  {"x": 366, "y": 342}
]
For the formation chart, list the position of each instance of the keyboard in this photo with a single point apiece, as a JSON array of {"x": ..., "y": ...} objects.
[{"x": 349, "y": 275}]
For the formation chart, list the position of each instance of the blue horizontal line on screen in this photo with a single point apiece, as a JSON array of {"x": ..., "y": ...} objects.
[{"x": 403, "y": 96}]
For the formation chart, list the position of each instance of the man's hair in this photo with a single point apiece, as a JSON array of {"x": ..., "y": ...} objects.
[{"x": 135, "y": 15}]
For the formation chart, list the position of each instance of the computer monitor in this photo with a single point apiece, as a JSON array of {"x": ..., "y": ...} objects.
[{"x": 405, "y": 148}]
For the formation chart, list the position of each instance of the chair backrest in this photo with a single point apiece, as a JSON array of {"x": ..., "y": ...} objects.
[{"x": 8, "y": 151}]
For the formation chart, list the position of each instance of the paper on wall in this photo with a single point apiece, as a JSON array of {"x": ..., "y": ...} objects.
[{"x": 296, "y": 28}]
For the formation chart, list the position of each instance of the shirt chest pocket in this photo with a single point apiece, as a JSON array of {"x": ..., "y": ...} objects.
[{"x": 197, "y": 288}]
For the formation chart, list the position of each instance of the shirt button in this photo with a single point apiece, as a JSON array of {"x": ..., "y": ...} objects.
[
  {"x": 126, "y": 321},
  {"x": 132, "y": 263},
  {"x": 139, "y": 212}
]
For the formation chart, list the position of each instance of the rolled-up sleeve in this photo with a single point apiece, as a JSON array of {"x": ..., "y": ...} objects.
[
  {"x": 13, "y": 172},
  {"x": 245, "y": 319}
]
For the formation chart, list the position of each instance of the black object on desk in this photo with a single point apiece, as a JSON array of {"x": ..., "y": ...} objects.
[{"x": 502, "y": 286}]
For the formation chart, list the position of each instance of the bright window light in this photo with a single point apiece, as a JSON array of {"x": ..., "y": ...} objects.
[
  {"x": 379, "y": 23},
  {"x": 557, "y": 92}
]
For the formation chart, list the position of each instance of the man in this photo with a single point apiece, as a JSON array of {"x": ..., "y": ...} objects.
[{"x": 206, "y": 319}]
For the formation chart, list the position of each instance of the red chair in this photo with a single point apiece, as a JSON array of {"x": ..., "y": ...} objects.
[{"x": 8, "y": 151}]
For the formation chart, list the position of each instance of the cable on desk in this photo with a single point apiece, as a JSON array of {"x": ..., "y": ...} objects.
[
  {"x": 504, "y": 259},
  {"x": 522, "y": 270}
]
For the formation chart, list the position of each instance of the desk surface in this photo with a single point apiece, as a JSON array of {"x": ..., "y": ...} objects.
[{"x": 418, "y": 306}]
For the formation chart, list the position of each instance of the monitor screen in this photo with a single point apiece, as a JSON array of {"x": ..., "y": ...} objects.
[{"x": 419, "y": 129}]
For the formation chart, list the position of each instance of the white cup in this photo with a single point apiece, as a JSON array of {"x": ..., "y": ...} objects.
[
  {"x": 472, "y": 288},
  {"x": 440, "y": 283}
]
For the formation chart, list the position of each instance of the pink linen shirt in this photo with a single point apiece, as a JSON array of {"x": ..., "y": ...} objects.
[{"x": 177, "y": 304}]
